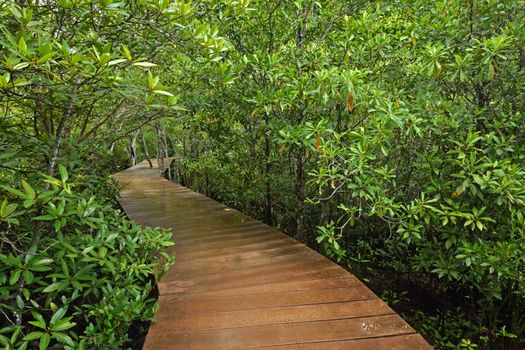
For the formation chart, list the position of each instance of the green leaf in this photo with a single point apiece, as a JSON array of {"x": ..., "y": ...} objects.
[
  {"x": 63, "y": 338},
  {"x": 16, "y": 192},
  {"x": 43, "y": 261},
  {"x": 20, "y": 302},
  {"x": 44, "y": 341},
  {"x": 39, "y": 318},
  {"x": 152, "y": 82},
  {"x": 63, "y": 173},
  {"x": 38, "y": 324},
  {"x": 22, "y": 46},
  {"x": 126, "y": 52},
  {"x": 33, "y": 336},
  {"x": 28, "y": 277},
  {"x": 162, "y": 92},
  {"x": 63, "y": 325},
  {"x": 21, "y": 65},
  {"x": 144, "y": 64},
  {"x": 58, "y": 315},
  {"x": 114, "y": 62},
  {"x": 15, "y": 10},
  {"x": 52, "y": 287},
  {"x": 44, "y": 218},
  {"x": 28, "y": 190},
  {"x": 7, "y": 209},
  {"x": 15, "y": 276},
  {"x": 46, "y": 57}
]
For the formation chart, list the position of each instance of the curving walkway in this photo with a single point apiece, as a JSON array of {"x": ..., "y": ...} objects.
[{"x": 240, "y": 284}]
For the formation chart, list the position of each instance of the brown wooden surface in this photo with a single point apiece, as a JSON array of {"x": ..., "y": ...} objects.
[{"x": 240, "y": 284}]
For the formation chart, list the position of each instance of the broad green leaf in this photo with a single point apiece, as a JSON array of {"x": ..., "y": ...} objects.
[
  {"x": 63, "y": 173},
  {"x": 44, "y": 341},
  {"x": 117, "y": 61},
  {"x": 63, "y": 338},
  {"x": 22, "y": 46},
  {"x": 126, "y": 52},
  {"x": 33, "y": 336},
  {"x": 144, "y": 64},
  {"x": 52, "y": 287},
  {"x": 28, "y": 190},
  {"x": 162, "y": 92},
  {"x": 58, "y": 315}
]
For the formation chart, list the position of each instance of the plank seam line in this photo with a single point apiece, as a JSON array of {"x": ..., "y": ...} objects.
[
  {"x": 219, "y": 233},
  {"x": 243, "y": 243},
  {"x": 261, "y": 252},
  {"x": 263, "y": 269},
  {"x": 288, "y": 291},
  {"x": 218, "y": 297},
  {"x": 283, "y": 306},
  {"x": 233, "y": 227},
  {"x": 210, "y": 330},
  {"x": 330, "y": 341}
]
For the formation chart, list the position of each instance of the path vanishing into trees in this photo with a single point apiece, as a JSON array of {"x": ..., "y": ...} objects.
[{"x": 240, "y": 284}]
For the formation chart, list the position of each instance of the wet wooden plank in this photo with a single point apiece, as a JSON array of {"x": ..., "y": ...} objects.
[
  {"x": 194, "y": 304},
  {"x": 240, "y": 284},
  {"x": 182, "y": 322},
  {"x": 400, "y": 342},
  {"x": 282, "y": 334}
]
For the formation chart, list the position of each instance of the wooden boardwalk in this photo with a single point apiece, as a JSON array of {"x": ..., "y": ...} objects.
[{"x": 240, "y": 284}]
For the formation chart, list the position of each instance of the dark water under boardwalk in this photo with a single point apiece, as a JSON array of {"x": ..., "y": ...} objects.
[{"x": 240, "y": 284}]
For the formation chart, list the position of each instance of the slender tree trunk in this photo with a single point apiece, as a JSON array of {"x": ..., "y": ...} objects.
[
  {"x": 36, "y": 112},
  {"x": 61, "y": 130},
  {"x": 267, "y": 179},
  {"x": 35, "y": 239},
  {"x": 145, "y": 147},
  {"x": 173, "y": 154},
  {"x": 326, "y": 207},
  {"x": 183, "y": 178},
  {"x": 206, "y": 182},
  {"x": 300, "y": 197},
  {"x": 300, "y": 234},
  {"x": 160, "y": 149},
  {"x": 133, "y": 148},
  {"x": 166, "y": 151}
]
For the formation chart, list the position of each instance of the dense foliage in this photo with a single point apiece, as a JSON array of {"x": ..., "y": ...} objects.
[
  {"x": 74, "y": 270},
  {"x": 76, "y": 79},
  {"x": 388, "y": 134}
]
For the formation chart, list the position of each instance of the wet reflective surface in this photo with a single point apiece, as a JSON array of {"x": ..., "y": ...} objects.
[{"x": 240, "y": 284}]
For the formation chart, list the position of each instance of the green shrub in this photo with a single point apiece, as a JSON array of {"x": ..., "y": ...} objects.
[{"x": 74, "y": 270}]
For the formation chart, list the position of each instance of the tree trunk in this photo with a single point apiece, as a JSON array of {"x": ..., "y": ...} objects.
[
  {"x": 61, "y": 130},
  {"x": 133, "y": 148},
  {"x": 160, "y": 149},
  {"x": 267, "y": 180},
  {"x": 300, "y": 233},
  {"x": 145, "y": 148},
  {"x": 35, "y": 239},
  {"x": 166, "y": 151},
  {"x": 326, "y": 207},
  {"x": 206, "y": 182}
]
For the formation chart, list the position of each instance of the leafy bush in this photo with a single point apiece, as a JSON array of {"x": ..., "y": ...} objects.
[
  {"x": 401, "y": 122},
  {"x": 74, "y": 270}
]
